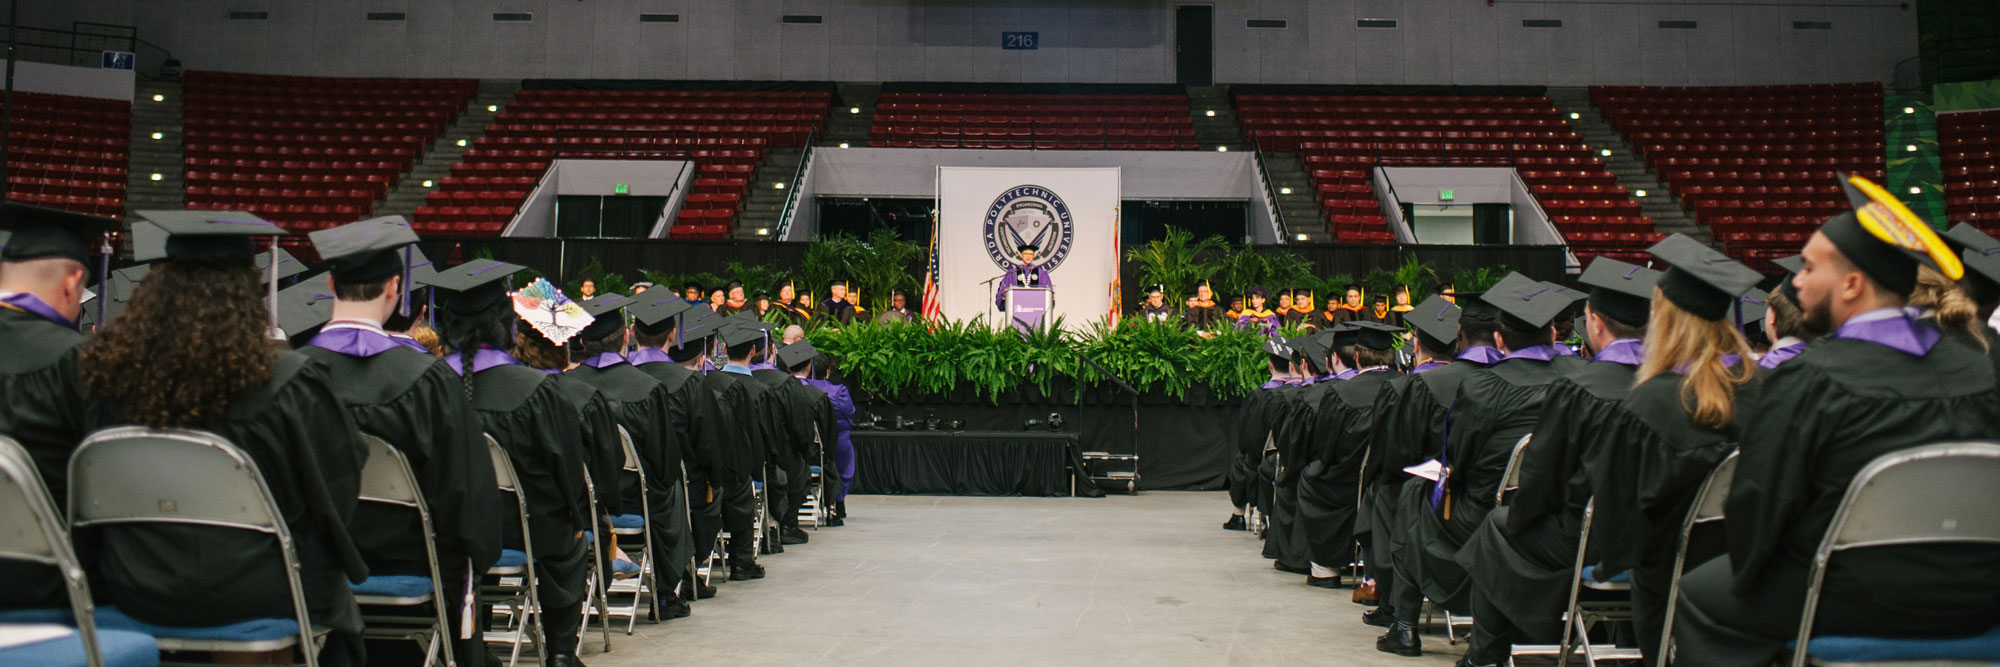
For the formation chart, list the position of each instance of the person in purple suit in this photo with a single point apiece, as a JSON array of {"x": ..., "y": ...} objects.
[
  {"x": 843, "y": 447},
  {"x": 1024, "y": 274}
]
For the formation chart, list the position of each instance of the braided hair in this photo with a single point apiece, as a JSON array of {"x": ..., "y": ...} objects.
[{"x": 463, "y": 333}]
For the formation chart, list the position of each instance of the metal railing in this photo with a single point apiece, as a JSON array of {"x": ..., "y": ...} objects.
[
  {"x": 792, "y": 197},
  {"x": 1271, "y": 205},
  {"x": 83, "y": 45}
]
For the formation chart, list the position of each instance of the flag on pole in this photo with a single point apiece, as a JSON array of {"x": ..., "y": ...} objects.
[
  {"x": 1116, "y": 293},
  {"x": 932, "y": 306}
]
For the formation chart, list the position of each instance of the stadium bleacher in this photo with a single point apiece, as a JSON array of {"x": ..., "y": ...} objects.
[
  {"x": 1032, "y": 121},
  {"x": 725, "y": 133},
  {"x": 1969, "y": 142},
  {"x": 69, "y": 152}
]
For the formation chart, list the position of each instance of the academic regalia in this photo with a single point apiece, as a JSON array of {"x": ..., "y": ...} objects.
[
  {"x": 1034, "y": 275},
  {"x": 1254, "y": 430},
  {"x": 1261, "y": 321},
  {"x": 1329, "y": 493},
  {"x": 1291, "y": 413},
  {"x": 1202, "y": 318},
  {"x": 44, "y": 399},
  {"x": 843, "y": 420},
  {"x": 729, "y": 308},
  {"x": 1389, "y": 317},
  {"x": 789, "y": 406},
  {"x": 310, "y": 455},
  {"x": 1295, "y": 316},
  {"x": 639, "y": 404},
  {"x": 788, "y": 312},
  {"x": 743, "y": 454},
  {"x": 1160, "y": 313},
  {"x": 1341, "y": 314},
  {"x": 836, "y": 311},
  {"x": 1827, "y": 407}
]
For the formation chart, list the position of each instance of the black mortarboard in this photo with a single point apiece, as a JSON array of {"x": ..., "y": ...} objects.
[
  {"x": 1752, "y": 306},
  {"x": 738, "y": 333},
  {"x": 605, "y": 308},
  {"x": 1302, "y": 292},
  {"x": 305, "y": 306},
  {"x": 1702, "y": 281},
  {"x": 1315, "y": 347},
  {"x": 1531, "y": 302},
  {"x": 1620, "y": 291},
  {"x": 1791, "y": 265},
  {"x": 209, "y": 237},
  {"x": 367, "y": 251},
  {"x": 1436, "y": 318},
  {"x": 1980, "y": 253},
  {"x": 1885, "y": 240},
  {"x": 796, "y": 355},
  {"x": 1277, "y": 348},
  {"x": 1375, "y": 335},
  {"x": 697, "y": 322},
  {"x": 1346, "y": 334},
  {"x": 34, "y": 232},
  {"x": 1027, "y": 246},
  {"x": 836, "y": 283},
  {"x": 654, "y": 316},
  {"x": 116, "y": 292},
  {"x": 288, "y": 265},
  {"x": 474, "y": 286},
  {"x": 1155, "y": 288}
]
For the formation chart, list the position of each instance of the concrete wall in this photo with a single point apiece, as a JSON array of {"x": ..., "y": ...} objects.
[
  {"x": 650, "y": 178},
  {"x": 1469, "y": 185},
  {"x": 1089, "y": 41},
  {"x": 110, "y": 84}
]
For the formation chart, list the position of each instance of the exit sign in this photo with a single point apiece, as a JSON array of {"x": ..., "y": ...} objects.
[
  {"x": 1445, "y": 195},
  {"x": 621, "y": 189}
]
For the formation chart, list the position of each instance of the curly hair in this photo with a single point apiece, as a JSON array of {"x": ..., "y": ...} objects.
[
  {"x": 193, "y": 336},
  {"x": 537, "y": 351}
]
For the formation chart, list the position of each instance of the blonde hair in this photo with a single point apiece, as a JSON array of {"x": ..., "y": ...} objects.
[
  {"x": 1677, "y": 340},
  {"x": 1954, "y": 309}
]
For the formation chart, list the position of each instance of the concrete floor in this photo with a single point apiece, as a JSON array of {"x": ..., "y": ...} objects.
[{"x": 922, "y": 580}]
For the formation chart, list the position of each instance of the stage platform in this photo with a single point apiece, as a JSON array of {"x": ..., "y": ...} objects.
[{"x": 969, "y": 463}]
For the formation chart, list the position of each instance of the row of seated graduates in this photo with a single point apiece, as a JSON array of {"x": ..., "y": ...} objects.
[
  {"x": 1619, "y": 446},
  {"x": 300, "y": 416}
]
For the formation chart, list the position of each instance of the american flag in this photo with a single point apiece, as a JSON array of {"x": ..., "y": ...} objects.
[{"x": 932, "y": 307}]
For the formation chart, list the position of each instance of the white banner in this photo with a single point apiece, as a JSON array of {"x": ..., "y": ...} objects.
[{"x": 985, "y": 214}]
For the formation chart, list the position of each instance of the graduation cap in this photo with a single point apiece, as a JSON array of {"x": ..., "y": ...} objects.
[
  {"x": 34, "y": 232},
  {"x": 1885, "y": 240},
  {"x": 1374, "y": 335},
  {"x": 1149, "y": 289},
  {"x": 288, "y": 265},
  {"x": 1702, "y": 281},
  {"x": 606, "y": 311},
  {"x": 1436, "y": 318},
  {"x": 1315, "y": 347},
  {"x": 1277, "y": 348},
  {"x": 697, "y": 322},
  {"x": 550, "y": 312},
  {"x": 1619, "y": 290},
  {"x": 114, "y": 292},
  {"x": 1026, "y": 247},
  {"x": 1791, "y": 265},
  {"x": 210, "y": 237},
  {"x": 796, "y": 355},
  {"x": 653, "y": 316},
  {"x": 371, "y": 251},
  {"x": 305, "y": 306},
  {"x": 737, "y": 333},
  {"x": 1531, "y": 302},
  {"x": 475, "y": 286},
  {"x": 1752, "y": 307},
  {"x": 1981, "y": 255},
  {"x": 1346, "y": 335}
]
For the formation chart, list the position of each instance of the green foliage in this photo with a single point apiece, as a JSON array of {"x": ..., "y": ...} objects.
[
  {"x": 1477, "y": 280},
  {"x": 608, "y": 282},
  {"x": 1175, "y": 262},
  {"x": 1247, "y": 267},
  {"x": 876, "y": 266},
  {"x": 757, "y": 278},
  {"x": 1420, "y": 278}
]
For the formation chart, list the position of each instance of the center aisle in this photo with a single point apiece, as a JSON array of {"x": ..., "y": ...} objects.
[{"x": 960, "y": 581}]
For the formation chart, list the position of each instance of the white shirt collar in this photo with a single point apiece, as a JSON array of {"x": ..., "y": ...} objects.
[{"x": 363, "y": 325}]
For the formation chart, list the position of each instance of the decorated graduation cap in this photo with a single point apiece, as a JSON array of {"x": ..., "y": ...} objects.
[
  {"x": 1531, "y": 303},
  {"x": 550, "y": 312},
  {"x": 474, "y": 286},
  {"x": 608, "y": 313},
  {"x": 1375, "y": 335},
  {"x": 304, "y": 306},
  {"x": 34, "y": 232},
  {"x": 1435, "y": 317},
  {"x": 796, "y": 355},
  {"x": 1702, "y": 281},
  {"x": 1885, "y": 240},
  {"x": 1278, "y": 350},
  {"x": 1619, "y": 290},
  {"x": 1981, "y": 255}
]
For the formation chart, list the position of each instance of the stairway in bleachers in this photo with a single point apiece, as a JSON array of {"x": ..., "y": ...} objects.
[
  {"x": 1221, "y": 129},
  {"x": 851, "y": 116},
  {"x": 1659, "y": 203},
  {"x": 156, "y": 156},
  {"x": 411, "y": 193}
]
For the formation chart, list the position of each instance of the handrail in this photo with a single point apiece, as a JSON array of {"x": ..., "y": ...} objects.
[
  {"x": 791, "y": 198},
  {"x": 1271, "y": 206}
]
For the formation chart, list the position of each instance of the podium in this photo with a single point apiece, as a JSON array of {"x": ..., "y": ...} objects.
[{"x": 1027, "y": 307}]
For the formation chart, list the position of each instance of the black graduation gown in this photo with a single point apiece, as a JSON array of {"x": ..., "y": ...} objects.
[
  {"x": 1164, "y": 313},
  {"x": 603, "y": 456},
  {"x": 639, "y": 403},
  {"x": 1202, "y": 317},
  {"x": 1493, "y": 409},
  {"x": 310, "y": 454},
  {"x": 740, "y": 442},
  {"x": 1840, "y": 404},
  {"x": 692, "y": 411},
  {"x": 1409, "y": 429},
  {"x": 44, "y": 413},
  {"x": 542, "y": 431},
  {"x": 1329, "y": 486},
  {"x": 1252, "y": 431},
  {"x": 788, "y": 313},
  {"x": 1521, "y": 558},
  {"x": 416, "y": 403},
  {"x": 789, "y": 420},
  {"x": 838, "y": 311},
  {"x": 1290, "y": 414}
]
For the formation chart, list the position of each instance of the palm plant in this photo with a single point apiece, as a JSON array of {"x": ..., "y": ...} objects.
[{"x": 1175, "y": 263}]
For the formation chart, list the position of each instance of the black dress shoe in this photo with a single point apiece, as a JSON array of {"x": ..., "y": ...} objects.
[
  {"x": 834, "y": 521},
  {"x": 1235, "y": 522},
  {"x": 1282, "y": 567},
  {"x": 792, "y": 536},
  {"x": 1401, "y": 640},
  {"x": 676, "y": 609},
  {"x": 746, "y": 572},
  {"x": 1323, "y": 582},
  {"x": 703, "y": 591},
  {"x": 1380, "y": 618},
  {"x": 564, "y": 660},
  {"x": 840, "y": 510},
  {"x": 1467, "y": 662}
]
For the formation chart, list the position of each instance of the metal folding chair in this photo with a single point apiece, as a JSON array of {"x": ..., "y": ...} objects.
[
  {"x": 1510, "y": 481},
  {"x": 644, "y": 588},
  {"x": 1584, "y": 615},
  {"x": 1708, "y": 504},
  {"x": 595, "y": 595},
  {"x": 115, "y": 480},
  {"x": 515, "y": 592},
  {"x": 386, "y": 479},
  {"x": 812, "y": 509},
  {"x": 31, "y": 530},
  {"x": 703, "y": 567},
  {"x": 1934, "y": 494}
]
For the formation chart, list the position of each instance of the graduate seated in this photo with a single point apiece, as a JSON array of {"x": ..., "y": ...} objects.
[
  {"x": 1884, "y": 380},
  {"x": 191, "y": 352},
  {"x": 1253, "y": 420}
]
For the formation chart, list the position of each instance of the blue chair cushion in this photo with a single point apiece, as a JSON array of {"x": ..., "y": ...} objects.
[
  {"x": 1977, "y": 648},
  {"x": 256, "y": 629},
  {"x": 394, "y": 585},
  {"x": 628, "y": 521},
  {"x": 119, "y": 648},
  {"x": 512, "y": 558},
  {"x": 815, "y": 469},
  {"x": 1590, "y": 573}
]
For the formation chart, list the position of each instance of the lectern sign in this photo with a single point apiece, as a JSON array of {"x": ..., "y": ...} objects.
[{"x": 985, "y": 216}]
